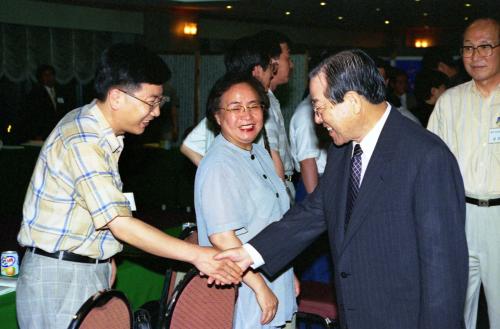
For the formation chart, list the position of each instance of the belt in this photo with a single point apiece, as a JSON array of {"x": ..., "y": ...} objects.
[
  {"x": 483, "y": 203},
  {"x": 66, "y": 255}
]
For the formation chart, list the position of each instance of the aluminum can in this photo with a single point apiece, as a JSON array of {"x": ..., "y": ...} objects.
[{"x": 10, "y": 263}]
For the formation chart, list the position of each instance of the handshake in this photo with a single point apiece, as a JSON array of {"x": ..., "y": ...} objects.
[{"x": 223, "y": 267}]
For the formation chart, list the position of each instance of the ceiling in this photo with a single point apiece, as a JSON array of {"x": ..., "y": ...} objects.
[{"x": 353, "y": 15}]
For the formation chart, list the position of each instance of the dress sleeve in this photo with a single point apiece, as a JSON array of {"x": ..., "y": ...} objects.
[{"x": 221, "y": 199}]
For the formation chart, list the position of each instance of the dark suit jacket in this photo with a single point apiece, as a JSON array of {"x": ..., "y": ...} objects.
[
  {"x": 403, "y": 262},
  {"x": 41, "y": 116}
]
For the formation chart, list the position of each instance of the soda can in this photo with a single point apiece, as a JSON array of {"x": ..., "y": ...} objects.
[{"x": 10, "y": 263}]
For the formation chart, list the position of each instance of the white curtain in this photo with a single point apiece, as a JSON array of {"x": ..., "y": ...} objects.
[{"x": 73, "y": 53}]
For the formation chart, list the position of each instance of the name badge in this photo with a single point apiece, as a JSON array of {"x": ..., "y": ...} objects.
[
  {"x": 131, "y": 200},
  {"x": 494, "y": 136}
]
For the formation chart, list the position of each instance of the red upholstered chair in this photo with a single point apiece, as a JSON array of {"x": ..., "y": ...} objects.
[
  {"x": 195, "y": 305},
  {"x": 107, "y": 309},
  {"x": 317, "y": 304}
]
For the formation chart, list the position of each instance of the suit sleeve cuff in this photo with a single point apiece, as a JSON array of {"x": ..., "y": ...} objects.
[{"x": 255, "y": 255}]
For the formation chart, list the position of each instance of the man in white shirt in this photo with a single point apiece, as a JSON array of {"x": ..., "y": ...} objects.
[
  {"x": 392, "y": 201},
  {"x": 467, "y": 118},
  {"x": 309, "y": 155},
  {"x": 275, "y": 125},
  {"x": 246, "y": 56}
]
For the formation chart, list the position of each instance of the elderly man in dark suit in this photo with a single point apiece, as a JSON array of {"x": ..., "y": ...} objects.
[{"x": 392, "y": 201}]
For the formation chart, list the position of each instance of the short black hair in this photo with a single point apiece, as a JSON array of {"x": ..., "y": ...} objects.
[
  {"x": 381, "y": 63},
  {"x": 272, "y": 40},
  {"x": 425, "y": 81},
  {"x": 127, "y": 66},
  {"x": 436, "y": 55},
  {"x": 223, "y": 84},
  {"x": 44, "y": 68},
  {"x": 244, "y": 55},
  {"x": 351, "y": 70}
]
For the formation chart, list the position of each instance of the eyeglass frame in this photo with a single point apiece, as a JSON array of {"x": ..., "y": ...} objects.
[
  {"x": 242, "y": 107},
  {"x": 152, "y": 106},
  {"x": 318, "y": 110},
  {"x": 474, "y": 49}
]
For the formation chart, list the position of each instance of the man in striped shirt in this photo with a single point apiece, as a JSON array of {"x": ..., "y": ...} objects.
[
  {"x": 75, "y": 215},
  {"x": 467, "y": 118}
]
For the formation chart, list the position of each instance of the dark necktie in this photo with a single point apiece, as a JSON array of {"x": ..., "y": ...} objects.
[{"x": 353, "y": 183}]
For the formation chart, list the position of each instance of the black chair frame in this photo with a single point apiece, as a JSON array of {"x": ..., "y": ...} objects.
[{"x": 100, "y": 298}]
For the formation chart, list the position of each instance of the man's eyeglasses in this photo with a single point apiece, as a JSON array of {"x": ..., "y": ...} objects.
[
  {"x": 482, "y": 50},
  {"x": 160, "y": 101},
  {"x": 239, "y": 109},
  {"x": 319, "y": 109}
]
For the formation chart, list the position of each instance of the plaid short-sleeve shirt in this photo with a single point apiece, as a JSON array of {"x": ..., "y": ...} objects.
[{"x": 76, "y": 188}]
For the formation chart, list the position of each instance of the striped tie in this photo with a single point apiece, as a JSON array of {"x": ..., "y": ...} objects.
[{"x": 353, "y": 183}]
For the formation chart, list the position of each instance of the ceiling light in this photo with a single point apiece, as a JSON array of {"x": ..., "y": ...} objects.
[
  {"x": 417, "y": 0},
  {"x": 466, "y": 18},
  {"x": 387, "y": 22},
  {"x": 468, "y": 5},
  {"x": 229, "y": 7},
  {"x": 190, "y": 28},
  {"x": 425, "y": 14},
  {"x": 322, "y": 3},
  {"x": 377, "y": 9},
  {"x": 287, "y": 13},
  {"x": 340, "y": 18}
]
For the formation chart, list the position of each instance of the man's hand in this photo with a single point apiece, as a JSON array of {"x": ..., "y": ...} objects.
[
  {"x": 222, "y": 271},
  {"x": 238, "y": 255}
]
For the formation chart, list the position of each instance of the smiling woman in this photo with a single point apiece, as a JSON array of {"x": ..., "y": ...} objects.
[{"x": 238, "y": 193}]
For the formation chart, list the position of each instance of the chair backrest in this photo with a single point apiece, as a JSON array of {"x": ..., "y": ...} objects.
[
  {"x": 195, "y": 305},
  {"x": 174, "y": 275},
  {"x": 106, "y": 309},
  {"x": 189, "y": 234}
]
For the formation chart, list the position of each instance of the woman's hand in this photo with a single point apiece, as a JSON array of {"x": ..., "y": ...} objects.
[{"x": 268, "y": 303}]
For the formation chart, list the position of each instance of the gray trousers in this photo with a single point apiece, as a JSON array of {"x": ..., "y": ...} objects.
[{"x": 50, "y": 291}]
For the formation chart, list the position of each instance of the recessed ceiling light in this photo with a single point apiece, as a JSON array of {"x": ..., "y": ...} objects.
[
  {"x": 466, "y": 18},
  {"x": 417, "y": 0},
  {"x": 340, "y": 18},
  {"x": 425, "y": 14},
  {"x": 322, "y": 3},
  {"x": 387, "y": 22},
  {"x": 467, "y": 5},
  {"x": 229, "y": 7},
  {"x": 287, "y": 13},
  {"x": 377, "y": 9}
]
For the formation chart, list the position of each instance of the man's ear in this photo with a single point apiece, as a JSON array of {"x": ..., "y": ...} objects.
[
  {"x": 257, "y": 71},
  {"x": 354, "y": 101},
  {"x": 115, "y": 98}
]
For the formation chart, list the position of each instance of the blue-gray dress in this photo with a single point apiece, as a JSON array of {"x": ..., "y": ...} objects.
[{"x": 239, "y": 190}]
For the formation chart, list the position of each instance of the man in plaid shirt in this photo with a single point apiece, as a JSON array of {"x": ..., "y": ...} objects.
[{"x": 75, "y": 213}]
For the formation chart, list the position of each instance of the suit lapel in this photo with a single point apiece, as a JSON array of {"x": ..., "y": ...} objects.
[{"x": 372, "y": 186}]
